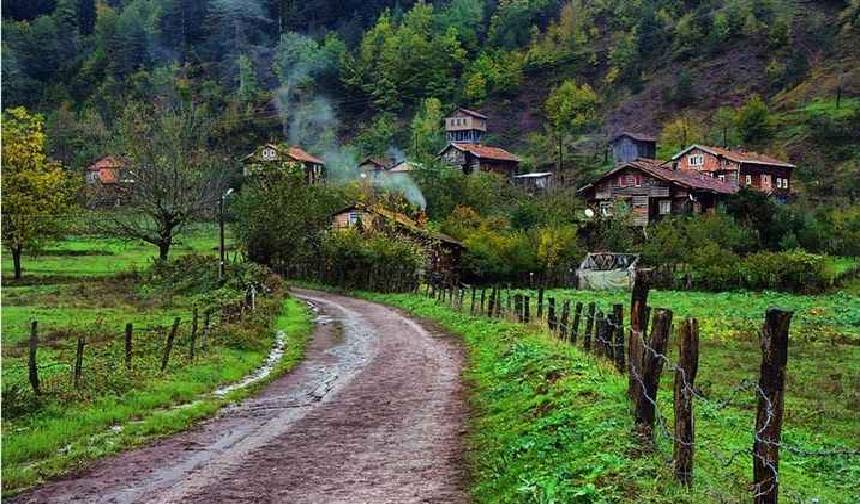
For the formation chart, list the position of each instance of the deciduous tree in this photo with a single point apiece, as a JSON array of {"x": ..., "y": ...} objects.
[{"x": 36, "y": 192}]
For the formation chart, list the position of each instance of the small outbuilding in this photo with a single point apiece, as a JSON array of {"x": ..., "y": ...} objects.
[
  {"x": 627, "y": 146},
  {"x": 607, "y": 271}
]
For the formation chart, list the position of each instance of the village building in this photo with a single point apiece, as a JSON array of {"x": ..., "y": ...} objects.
[
  {"x": 756, "y": 171},
  {"x": 534, "y": 182},
  {"x": 108, "y": 183},
  {"x": 272, "y": 158},
  {"x": 627, "y": 146},
  {"x": 444, "y": 252},
  {"x": 472, "y": 158},
  {"x": 403, "y": 167},
  {"x": 465, "y": 126},
  {"x": 651, "y": 190},
  {"x": 464, "y": 130}
]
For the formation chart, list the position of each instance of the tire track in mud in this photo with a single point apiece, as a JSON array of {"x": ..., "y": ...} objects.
[{"x": 375, "y": 413}]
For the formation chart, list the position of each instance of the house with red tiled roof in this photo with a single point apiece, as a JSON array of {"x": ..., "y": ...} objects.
[
  {"x": 652, "y": 189},
  {"x": 271, "y": 158},
  {"x": 107, "y": 170},
  {"x": 746, "y": 168},
  {"x": 472, "y": 158}
]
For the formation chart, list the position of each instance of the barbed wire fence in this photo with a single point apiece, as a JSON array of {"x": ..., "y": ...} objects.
[
  {"x": 97, "y": 354},
  {"x": 644, "y": 356}
]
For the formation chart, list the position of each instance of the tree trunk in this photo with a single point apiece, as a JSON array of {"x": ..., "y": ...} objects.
[
  {"x": 163, "y": 249},
  {"x": 16, "y": 260}
]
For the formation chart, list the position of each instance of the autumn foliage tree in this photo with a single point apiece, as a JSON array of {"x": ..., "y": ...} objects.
[{"x": 36, "y": 191}]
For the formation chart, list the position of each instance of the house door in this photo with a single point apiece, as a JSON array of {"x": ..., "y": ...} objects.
[{"x": 765, "y": 183}]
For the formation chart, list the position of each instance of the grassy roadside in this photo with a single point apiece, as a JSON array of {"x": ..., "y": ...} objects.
[
  {"x": 60, "y": 439},
  {"x": 551, "y": 424}
]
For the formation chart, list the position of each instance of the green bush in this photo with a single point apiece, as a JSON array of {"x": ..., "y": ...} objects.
[
  {"x": 354, "y": 258},
  {"x": 793, "y": 270}
]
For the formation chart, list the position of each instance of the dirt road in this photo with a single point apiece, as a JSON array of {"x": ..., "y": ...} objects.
[{"x": 374, "y": 414}]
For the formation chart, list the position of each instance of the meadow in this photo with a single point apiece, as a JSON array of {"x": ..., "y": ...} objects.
[
  {"x": 91, "y": 287},
  {"x": 552, "y": 423}
]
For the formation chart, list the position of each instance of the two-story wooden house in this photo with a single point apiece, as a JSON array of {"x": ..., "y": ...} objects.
[
  {"x": 465, "y": 126},
  {"x": 650, "y": 189},
  {"x": 464, "y": 130},
  {"x": 273, "y": 158},
  {"x": 757, "y": 171}
]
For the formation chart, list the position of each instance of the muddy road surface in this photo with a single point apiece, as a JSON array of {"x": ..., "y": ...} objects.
[{"x": 375, "y": 414}]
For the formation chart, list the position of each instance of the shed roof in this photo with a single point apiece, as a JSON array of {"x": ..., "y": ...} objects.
[
  {"x": 400, "y": 219},
  {"x": 740, "y": 156},
  {"x": 294, "y": 152},
  {"x": 471, "y": 113},
  {"x": 484, "y": 151},
  {"x": 641, "y": 137},
  {"x": 106, "y": 162}
]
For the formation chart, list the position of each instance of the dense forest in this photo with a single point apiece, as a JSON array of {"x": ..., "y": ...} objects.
[{"x": 322, "y": 71}]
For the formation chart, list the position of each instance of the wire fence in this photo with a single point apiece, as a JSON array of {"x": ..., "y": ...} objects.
[{"x": 640, "y": 351}]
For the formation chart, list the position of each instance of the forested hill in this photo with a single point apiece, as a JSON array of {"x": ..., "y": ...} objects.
[{"x": 779, "y": 76}]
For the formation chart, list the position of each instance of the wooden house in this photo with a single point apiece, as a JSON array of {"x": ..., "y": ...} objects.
[
  {"x": 627, "y": 146},
  {"x": 108, "y": 170},
  {"x": 273, "y": 158},
  {"x": 444, "y": 252},
  {"x": 757, "y": 171},
  {"x": 373, "y": 168},
  {"x": 650, "y": 190},
  {"x": 465, "y": 126},
  {"x": 108, "y": 183},
  {"x": 472, "y": 158}
]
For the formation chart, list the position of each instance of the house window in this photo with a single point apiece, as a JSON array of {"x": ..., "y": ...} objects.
[
  {"x": 605, "y": 208},
  {"x": 665, "y": 207},
  {"x": 637, "y": 180},
  {"x": 352, "y": 218},
  {"x": 722, "y": 178},
  {"x": 749, "y": 180},
  {"x": 696, "y": 160}
]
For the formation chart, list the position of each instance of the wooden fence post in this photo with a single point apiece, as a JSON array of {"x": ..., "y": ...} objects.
[
  {"x": 128, "y": 348},
  {"x": 768, "y": 425},
  {"x": 31, "y": 363},
  {"x": 527, "y": 308},
  {"x": 193, "y": 333},
  {"x": 169, "y": 347},
  {"x": 483, "y": 297},
  {"x": 651, "y": 367},
  {"x": 539, "y": 312},
  {"x": 618, "y": 350},
  {"x": 599, "y": 332},
  {"x": 491, "y": 302},
  {"x": 472, "y": 306},
  {"x": 565, "y": 316},
  {"x": 638, "y": 302},
  {"x": 552, "y": 323},
  {"x": 204, "y": 345},
  {"x": 685, "y": 374},
  {"x": 498, "y": 306},
  {"x": 518, "y": 307},
  {"x": 589, "y": 326},
  {"x": 577, "y": 316},
  {"x": 79, "y": 361}
]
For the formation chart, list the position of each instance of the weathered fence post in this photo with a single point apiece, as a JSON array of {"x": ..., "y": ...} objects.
[
  {"x": 552, "y": 323},
  {"x": 685, "y": 374},
  {"x": 599, "y": 333},
  {"x": 193, "y": 333},
  {"x": 491, "y": 303},
  {"x": 472, "y": 306},
  {"x": 169, "y": 347},
  {"x": 768, "y": 425},
  {"x": 539, "y": 312},
  {"x": 204, "y": 345},
  {"x": 79, "y": 361},
  {"x": 527, "y": 308},
  {"x": 518, "y": 307},
  {"x": 31, "y": 363},
  {"x": 618, "y": 350},
  {"x": 638, "y": 302},
  {"x": 483, "y": 297},
  {"x": 565, "y": 316},
  {"x": 589, "y": 325},
  {"x": 498, "y": 306},
  {"x": 128, "y": 348},
  {"x": 508, "y": 303},
  {"x": 577, "y": 316},
  {"x": 651, "y": 367}
]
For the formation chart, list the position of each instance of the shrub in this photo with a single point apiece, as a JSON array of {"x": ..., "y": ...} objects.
[
  {"x": 366, "y": 259},
  {"x": 793, "y": 270}
]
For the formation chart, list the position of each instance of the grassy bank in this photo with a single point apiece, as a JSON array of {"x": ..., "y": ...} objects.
[
  {"x": 60, "y": 438},
  {"x": 551, "y": 424}
]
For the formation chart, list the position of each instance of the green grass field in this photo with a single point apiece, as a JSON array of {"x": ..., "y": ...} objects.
[
  {"x": 551, "y": 424},
  {"x": 82, "y": 286}
]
